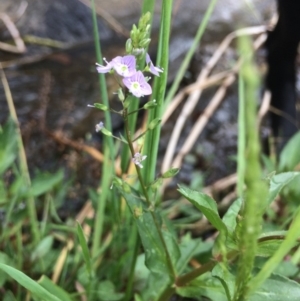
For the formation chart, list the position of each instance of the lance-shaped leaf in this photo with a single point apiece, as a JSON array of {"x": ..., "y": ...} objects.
[
  {"x": 277, "y": 182},
  {"x": 147, "y": 220},
  {"x": 206, "y": 205},
  {"x": 31, "y": 285}
]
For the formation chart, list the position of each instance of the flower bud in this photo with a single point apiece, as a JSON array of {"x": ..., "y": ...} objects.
[
  {"x": 129, "y": 46},
  {"x": 150, "y": 105},
  {"x": 127, "y": 102},
  {"x": 145, "y": 42},
  {"x": 170, "y": 173},
  {"x": 155, "y": 122},
  {"x": 137, "y": 51},
  {"x": 121, "y": 94},
  {"x": 101, "y": 106},
  {"x": 106, "y": 132},
  {"x": 117, "y": 181},
  {"x": 156, "y": 184}
]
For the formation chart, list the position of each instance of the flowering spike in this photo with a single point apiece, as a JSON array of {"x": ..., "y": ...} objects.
[
  {"x": 137, "y": 159},
  {"x": 137, "y": 84},
  {"x": 154, "y": 70}
]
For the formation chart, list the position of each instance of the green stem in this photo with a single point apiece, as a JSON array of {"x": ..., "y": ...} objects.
[
  {"x": 241, "y": 139},
  {"x": 146, "y": 195},
  {"x": 139, "y": 136},
  {"x": 152, "y": 139},
  {"x": 186, "y": 278},
  {"x": 136, "y": 243},
  {"x": 23, "y": 161},
  {"x": 148, "y": 6},
  {"x": 256, "y": 193},
  {"x": 109, "y": 151}
]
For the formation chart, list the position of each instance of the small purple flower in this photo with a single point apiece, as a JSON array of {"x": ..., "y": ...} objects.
[
  {"x": 137, "y": 84},
  {"x": 104, "y": 69},
  {"x": 137, "y": 159},
  {"x": 125, "y": 66},
  {"x": 99, "y": 126},
  {"x": 154, "y": 70}
]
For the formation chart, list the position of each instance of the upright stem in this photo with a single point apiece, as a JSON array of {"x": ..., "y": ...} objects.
[
  {"x": 256, "y": 193},
  {"x": 109, "y": 152},
  {"x": 146, "y": 195},
  {"x": 152, "y": 139},
  {"x": 241, "y": 138}
]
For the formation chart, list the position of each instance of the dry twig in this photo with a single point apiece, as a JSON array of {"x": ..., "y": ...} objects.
[{"x": 14, "y": 32}]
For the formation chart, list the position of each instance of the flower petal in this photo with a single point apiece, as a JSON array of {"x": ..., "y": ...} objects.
[
  {"x": 137, "y": 84},
  {"x": 124, "y": 66},
  {"x": 154, "y": 70},
  {"x": 104, "y": 69},
  {"x": 137, "y": 159}
]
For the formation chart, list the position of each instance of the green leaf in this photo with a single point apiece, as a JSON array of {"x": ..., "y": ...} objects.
[
  {"x": 156, "y": 259},
  {"x": 229, "y": 218},
  {"x": 6, "y": 260},
  {"x": 287, "y": 269},
  {"x": 156, "y": 285},
  {"x": 287, "y": 244},
  {"x": 290, "y": 155},
  {"x": 31, "y": 285},
  {"x": 272, "y": 236},
  {"x": 137, "y": 297},
  {"x": 9, "y": 296},
  {"x": 8, "y": 145},
  {"x": 206, "y": 205},
  {"x": 206, "y": 285},
  {"x": 42, "y": 248},
  {"x": 85, "y": 249},
  {"x": 268, "y": 247},
  {"x": 54, "y": 289},
  {"x": 44, "y": 182},
  {"x": 277, "y": 288},
  {"x": 225, "y": 278},
  {"x": 106, "y": 292},
  {"x": 277, "y": 182},
  {"x": 188, "y": 246}
]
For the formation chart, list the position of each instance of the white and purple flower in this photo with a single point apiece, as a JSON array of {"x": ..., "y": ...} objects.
[
  {"x": 154, "y": 70},
  {"x": 123, "y": 65},
  {"x": 104, "y": 69},
  {"x": 137, "y": 84},
  {"x": 137, "y": 159},
  {"x": 99, "y": 126}
]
